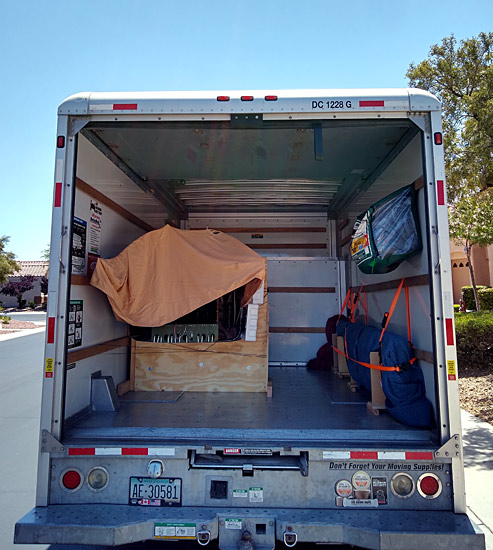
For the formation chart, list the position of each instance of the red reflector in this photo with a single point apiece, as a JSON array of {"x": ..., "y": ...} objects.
[
  {"x": 58, "y": 194},
  {"x": 429, "y": 485},
  {"x": 247, "y": 98},
  {"x": 449, "y": 326},
  {"x": 124, "y": 106},
  {"x": 270, "y": 98},
  {"x": 223, "y": 98},
  {"x": 60, "y": 142},
  {"x": 135, "y": 451},
  {"x": 419, "y": 456},
  {"x": 71, "y": 480},
  {"x": 438, "y": 138},
  {"x": 371, "y": 455},
  {"x": 50, "y": 339},
  {"x": 440, "y": 192},
  {"x": 79, "y": 451},
  {"x": 372, "y": 103}
]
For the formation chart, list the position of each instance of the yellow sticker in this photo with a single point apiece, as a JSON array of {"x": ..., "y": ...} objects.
[
  {"x": 49, "y": 367},
  {"x": 451, "y": 370}
]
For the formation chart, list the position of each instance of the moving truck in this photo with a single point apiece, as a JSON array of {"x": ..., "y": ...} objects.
[{"x": 208, "y": 425}]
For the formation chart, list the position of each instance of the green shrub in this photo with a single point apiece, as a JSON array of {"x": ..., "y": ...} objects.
[
  {"x": 485, "y": 297},
  {"x": 474, "y": 332},
  {"x": 31, "y": 304},
  {"x": 4, "y": 319},
  {"x": 468, "y": 296},
  {"x": 456, "y": 308}
]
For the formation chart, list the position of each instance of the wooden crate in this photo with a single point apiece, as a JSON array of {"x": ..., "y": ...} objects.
[{"x": 237, "y": 366}]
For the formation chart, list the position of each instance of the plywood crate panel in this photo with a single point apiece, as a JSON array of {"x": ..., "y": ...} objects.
[{"x": 237, "y": 366}]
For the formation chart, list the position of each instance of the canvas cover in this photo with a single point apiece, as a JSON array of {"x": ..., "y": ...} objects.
[{"x": 170, "y": 272}]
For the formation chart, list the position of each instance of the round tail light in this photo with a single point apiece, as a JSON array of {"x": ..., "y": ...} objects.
[
  {"x": 402, "y": 485},
  {"x": 429, "y": 486},
  {"x": 97, "y": 478},
  {"x": 71, "y": 480}
]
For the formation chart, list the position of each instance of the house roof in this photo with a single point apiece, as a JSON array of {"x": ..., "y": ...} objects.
[{"x": 38, "y": 268}]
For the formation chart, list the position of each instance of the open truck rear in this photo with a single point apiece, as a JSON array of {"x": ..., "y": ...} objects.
[{"x": 146, "y": 434}]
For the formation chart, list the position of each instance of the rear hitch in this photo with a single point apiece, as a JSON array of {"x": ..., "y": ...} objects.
[
  {"x": 203, "y": 537},
  {"x": 290, "y": 538}
]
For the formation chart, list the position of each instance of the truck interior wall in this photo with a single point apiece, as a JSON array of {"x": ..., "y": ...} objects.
[
  {"x": 407, "y": 168},
  {"x": 99, "y": 323},
  {"x": 304, "y": 262}
]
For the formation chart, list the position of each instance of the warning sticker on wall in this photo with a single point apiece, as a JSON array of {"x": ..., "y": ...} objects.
[
  {"x": 75, "y": 317},
  {"x": 451, "y": 370},
  {"x": 174, "y": 530},
  {"x": 79, "y": 235},
  {"x": 95, "y": 222},
  {"x": 256, "y": 494},
  {"x": 49, "y": 367}
]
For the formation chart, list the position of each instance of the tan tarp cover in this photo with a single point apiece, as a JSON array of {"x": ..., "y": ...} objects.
[{"x": 169, "y": 272}]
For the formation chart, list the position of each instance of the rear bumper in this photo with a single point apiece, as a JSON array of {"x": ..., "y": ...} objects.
[{"x": 373, "y": 529}]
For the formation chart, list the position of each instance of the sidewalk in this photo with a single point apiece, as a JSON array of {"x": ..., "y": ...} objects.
[{"x": 478, "y": 462}]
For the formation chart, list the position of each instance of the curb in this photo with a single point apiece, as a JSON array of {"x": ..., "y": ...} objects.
[{"x": 21, "y": 332}]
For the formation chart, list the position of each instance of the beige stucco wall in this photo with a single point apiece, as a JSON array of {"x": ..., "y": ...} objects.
[{"x": 482, "y": 261}]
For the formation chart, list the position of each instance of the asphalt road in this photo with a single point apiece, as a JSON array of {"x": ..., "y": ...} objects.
[
  {"x": 20, "y": 401},
  {"x": 34, "y": 317}
]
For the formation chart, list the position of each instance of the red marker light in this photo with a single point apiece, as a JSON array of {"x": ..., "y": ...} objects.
[
  {"x": 438, "y": 138},
  {"x": 60, "y": 142},
  {"x": 429, "y": 486},
  {"x": 223, "y": 98},
  {"x": 270, "y": 98},
  {"x": 247, "y": 98},
  {"x": 71, "y": 480}
]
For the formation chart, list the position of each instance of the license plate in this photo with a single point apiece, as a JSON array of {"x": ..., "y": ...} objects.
[{"x": 147, "y": 491}]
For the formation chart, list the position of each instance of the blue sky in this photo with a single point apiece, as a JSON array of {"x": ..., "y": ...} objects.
[{"x": 52, "y": 49}]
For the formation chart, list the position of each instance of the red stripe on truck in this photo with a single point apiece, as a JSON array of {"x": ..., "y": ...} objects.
[
  {"x": 77, "y": 451},
  {"x": 419, "y": 456},
  {"x": 134, "y": 451},
  {"x": 50, "y": 338},
  {"x": 58, "y": 194},
  {"x": 124, "y": 106},
  {"x": 378, "y": 103},
  {"x": 440, "y": 192},
  {"x": 449, "y": 328}
]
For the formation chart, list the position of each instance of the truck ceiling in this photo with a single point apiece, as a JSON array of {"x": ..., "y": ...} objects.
[{"x": 249, "y": 164}]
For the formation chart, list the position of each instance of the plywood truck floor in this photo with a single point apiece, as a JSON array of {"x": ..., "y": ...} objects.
[{"x": 307, "y": 406}]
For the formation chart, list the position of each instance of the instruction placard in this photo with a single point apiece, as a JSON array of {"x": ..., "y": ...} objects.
[
  {"x": 75, "y": 318},
  {"x": 95, "y": 222},
  {"x": 451, "y": 370},
  {"x": 79, "y": 236}
]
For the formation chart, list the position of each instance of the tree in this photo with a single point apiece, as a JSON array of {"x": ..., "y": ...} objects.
[
  {"x": 17, "y": 288},
  {"x": 461, "y": 77},
  {"x": 7, "y": 260},
  {"x": 471, "y": 222}
]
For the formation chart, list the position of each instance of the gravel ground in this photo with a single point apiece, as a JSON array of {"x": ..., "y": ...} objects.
[
  {"x": 476, "y": 392},
  {"x": 14, "y": 326}
]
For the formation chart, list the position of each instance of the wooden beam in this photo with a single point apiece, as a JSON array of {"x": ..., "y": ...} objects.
[
  {"x": 103, "y": 199},
  {"x": 80, "y": 280},
  {"x": 419, "y": 184},
  {"x": 303, "y": 289},
  {"x": 80, "y": 354},
  {"x": 425, "y": 356},
  {"x": 345, "y": 240},
  {"x": 417, "y": 280},
  {"x": 297, "y": 330},
  {"x": 287, "y": 246},
  {"x": 342, "y": 224}
]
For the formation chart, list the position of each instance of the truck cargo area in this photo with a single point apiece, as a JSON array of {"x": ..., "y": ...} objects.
[
  {"x": 289, "y": 189},
  {"x": 307, "y": 408}
]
